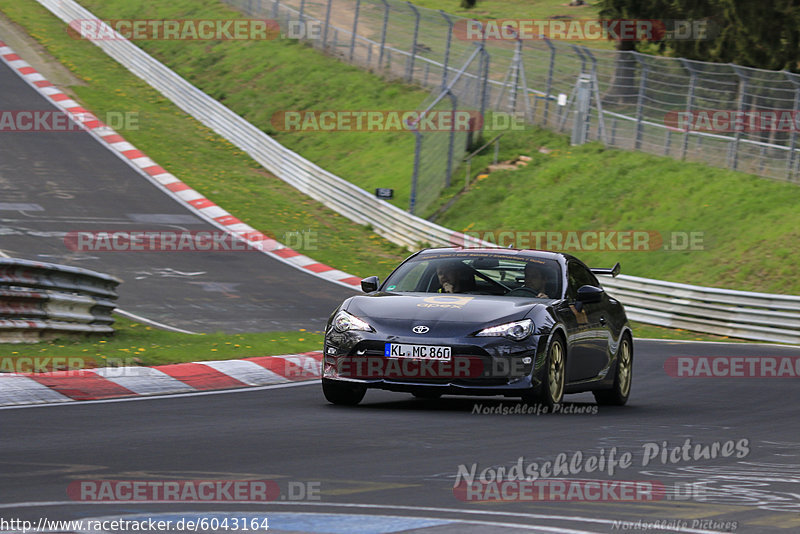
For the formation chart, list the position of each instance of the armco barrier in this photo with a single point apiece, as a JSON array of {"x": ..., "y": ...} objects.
[
  {"x": 39, "y": 300},
  {"x": 741, "y": 314},
  {"x": 725, "y": 312}
]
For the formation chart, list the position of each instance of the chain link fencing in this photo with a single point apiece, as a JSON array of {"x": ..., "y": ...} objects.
[{"x": 724, "y": 115}]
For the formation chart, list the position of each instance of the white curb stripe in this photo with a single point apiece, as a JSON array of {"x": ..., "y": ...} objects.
[
  {"x": 250, "y": 373},
  {"x": 144, "y": 380},
  {"x": 19, "y": 389}
]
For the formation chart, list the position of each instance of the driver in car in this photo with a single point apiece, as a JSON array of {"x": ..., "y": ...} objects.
[{"x": 535, "y": 279}]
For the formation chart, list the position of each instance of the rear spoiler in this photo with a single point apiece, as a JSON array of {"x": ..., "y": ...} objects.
[{"x": 614, "y": 271}]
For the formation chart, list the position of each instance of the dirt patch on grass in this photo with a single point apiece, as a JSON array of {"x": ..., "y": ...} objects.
[{"x": 35, "y": 54}]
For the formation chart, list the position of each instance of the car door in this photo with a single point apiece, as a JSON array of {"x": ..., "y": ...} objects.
[{"x": 588, "y": 354}]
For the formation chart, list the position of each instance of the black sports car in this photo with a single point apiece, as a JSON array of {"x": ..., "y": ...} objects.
[{"x": 523, "y": 323}]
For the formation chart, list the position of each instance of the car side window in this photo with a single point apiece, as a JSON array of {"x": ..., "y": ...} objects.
[{"x": 577, "y": 276}]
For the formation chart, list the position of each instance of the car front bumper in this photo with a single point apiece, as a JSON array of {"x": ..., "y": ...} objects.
[{"x": 478, "y": 365}]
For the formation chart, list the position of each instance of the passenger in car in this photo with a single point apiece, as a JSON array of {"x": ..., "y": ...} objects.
[{"x": 455, "y": 277}]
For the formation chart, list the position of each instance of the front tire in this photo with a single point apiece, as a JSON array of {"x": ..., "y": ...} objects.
[
  {"x": 552, "y": 388},
  {"x": 621, "y": 390},
  {"x": 342, "y": 393}
]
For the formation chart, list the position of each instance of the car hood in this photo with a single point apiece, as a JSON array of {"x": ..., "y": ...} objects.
[{"x": 444, "y": 314}]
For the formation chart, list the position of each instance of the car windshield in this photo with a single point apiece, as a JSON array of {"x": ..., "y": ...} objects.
[{"x": 478, "y": 274}]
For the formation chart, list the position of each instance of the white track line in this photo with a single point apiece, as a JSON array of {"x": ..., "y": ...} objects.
[{"x": 151, "y": 322}]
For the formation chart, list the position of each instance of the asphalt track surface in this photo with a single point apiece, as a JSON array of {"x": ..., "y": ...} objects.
[
  {"x": 398, "y": 456},
  {"x": 52, "y": 183}
]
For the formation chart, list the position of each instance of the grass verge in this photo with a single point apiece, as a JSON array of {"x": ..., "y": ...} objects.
[{"x": 140, "y": 344}]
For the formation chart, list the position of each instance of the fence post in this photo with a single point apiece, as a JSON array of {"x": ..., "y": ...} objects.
[
  {"x": 383, "y": 32},
  {"x": 447, "y": 46},
  {"x": 451, "y": 141},
  {"x": 327, "y": 23},
  {"x": 276, "y": 4},
  {"x": 640, "y": 101},
  {"x": 302, "y": 10},
  {"x": 483, "y": 74},
  {"x": 412, "y": 201},
  {"x": 689, "y": 105},
  {"x": 515, "y": 72},
  {"x": 790, "y": 166},
  {"x": 582, "y": 103},
  {"x": 410, "y": 65},
  {"x": 355, "y": 27},
  {"x": 549, "y": 83},
  {"x": 734, "y": 153},
  {"x": 601, "y": 121}
]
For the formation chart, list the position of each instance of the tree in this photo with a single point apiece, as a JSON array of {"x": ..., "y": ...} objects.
[
  {"x": 624, "y": 87},
  {"x": 753, "y": 33},
  {"x": 468, "y": 4}
]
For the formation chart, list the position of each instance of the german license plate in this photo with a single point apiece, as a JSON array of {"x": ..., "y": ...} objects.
[{"x": 419, "y": 352}]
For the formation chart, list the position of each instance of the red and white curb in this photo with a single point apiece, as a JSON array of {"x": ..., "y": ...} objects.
[
  {"x": 117, "y": 382},
  {"x": 167, "y": 182}
]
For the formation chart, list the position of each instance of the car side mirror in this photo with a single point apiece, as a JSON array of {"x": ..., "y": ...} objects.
[
  {"x": 368, "y": 285},
  {"x": 588, "y": 294}
]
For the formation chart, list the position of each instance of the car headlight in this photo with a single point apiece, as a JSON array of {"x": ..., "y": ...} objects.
[
  {"x": 344, "y": 322},
  {"x": 518, "y": 330}
]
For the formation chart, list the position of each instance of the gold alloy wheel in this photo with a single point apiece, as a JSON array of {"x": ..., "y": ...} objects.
[
  {"x": 555, "y": 375},
  {"x": 624, "y": 368}
]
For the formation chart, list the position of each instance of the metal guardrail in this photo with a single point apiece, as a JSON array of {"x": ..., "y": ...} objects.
[
  {"x": 725, "y": 312},
  {"x": 40, "y": 300},
  {"x": 756, "y": 316}
]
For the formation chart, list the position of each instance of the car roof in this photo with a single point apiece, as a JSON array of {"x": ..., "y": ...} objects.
[{"x": 522, "y": 253}]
